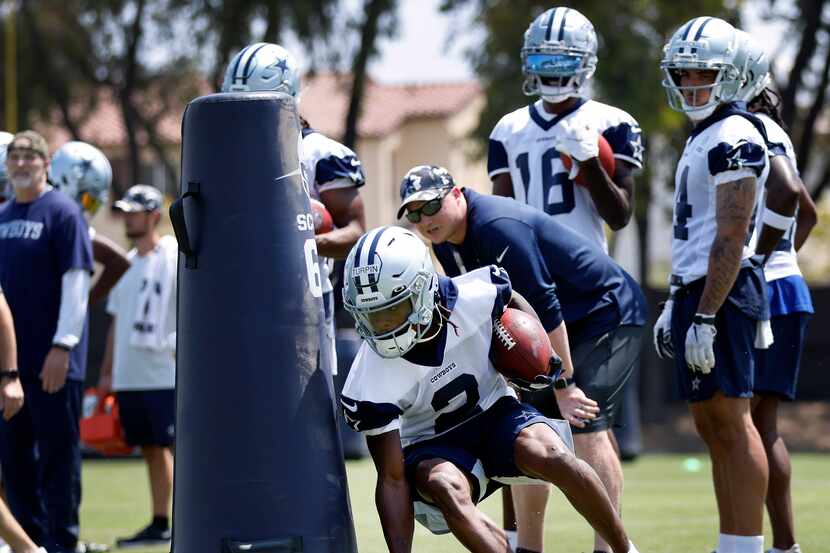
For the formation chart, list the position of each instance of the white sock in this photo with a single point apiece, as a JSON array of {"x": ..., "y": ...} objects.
[
  {"x": 726, "y": 543},
  {"x": 749, "y": 544},
  {"x": 631, "y": 548},
  {"x": 512, "y": 539}
]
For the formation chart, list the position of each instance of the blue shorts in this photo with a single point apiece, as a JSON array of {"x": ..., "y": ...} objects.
[
  {"x": 733, "y": 373},
  {"x": 488, "y": 437},
  {"x": 148, "y": 417},
  {"x": 776, "y": 368}
]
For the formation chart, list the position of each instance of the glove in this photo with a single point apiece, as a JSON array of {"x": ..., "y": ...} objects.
[
  {"x": 662, "y": 332},
  {"x": 541, "y": 381},
  {"x": 578, "y": 140},
  {"x": 700, "y": 339}
]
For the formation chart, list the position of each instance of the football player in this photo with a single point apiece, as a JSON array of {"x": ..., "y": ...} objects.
[
  {"x": 331, "y": 171},
  {"x": 593, "y": 311},
  {"x": 788, "y": 216},
  {"x": 711, "y": 322},
  {"x": 442, "y": 425},
  {"x": 82, "y": 172},
  {"x": 559, "y": 57}
]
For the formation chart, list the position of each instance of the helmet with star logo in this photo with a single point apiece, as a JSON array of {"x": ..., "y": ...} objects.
[
  {"x": 263, "y": 67},
  {"x": 82, "y": 172}
]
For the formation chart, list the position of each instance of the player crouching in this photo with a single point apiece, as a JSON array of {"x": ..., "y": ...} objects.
[{"x": 441, "y": 424}]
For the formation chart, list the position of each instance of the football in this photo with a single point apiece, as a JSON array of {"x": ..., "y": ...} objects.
[
  {"x": 521, "y": 346},
  {"x": 606, "y": 158},
  {"x": 323, "y": 222}
]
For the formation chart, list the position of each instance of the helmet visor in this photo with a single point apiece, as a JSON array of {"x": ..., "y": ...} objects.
[{"x": 553, "y": 65}]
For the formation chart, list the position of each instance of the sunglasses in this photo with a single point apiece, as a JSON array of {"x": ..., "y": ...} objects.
[{"x": 429, "y": 209}]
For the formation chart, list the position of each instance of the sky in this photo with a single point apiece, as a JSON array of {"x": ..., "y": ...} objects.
[{"x": 422, "y": 53}]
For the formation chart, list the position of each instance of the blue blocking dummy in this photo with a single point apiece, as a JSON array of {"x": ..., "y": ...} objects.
[{"x": 258, "y": 461}]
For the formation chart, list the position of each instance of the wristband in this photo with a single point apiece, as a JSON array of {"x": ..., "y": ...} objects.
[
  {"x": 9, "y": 374},
  {"x": 776, "y": 220},
  {"x": 562, "y": 382},
  {"x": 703, "y": 319}
]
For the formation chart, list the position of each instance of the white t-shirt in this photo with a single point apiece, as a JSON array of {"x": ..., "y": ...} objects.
[
  {"x": 136, "y": 368},
  {"x": 521, "y": 145}
]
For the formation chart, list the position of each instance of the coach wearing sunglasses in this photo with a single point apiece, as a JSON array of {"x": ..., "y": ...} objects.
[{"x": 592, "y": 309}]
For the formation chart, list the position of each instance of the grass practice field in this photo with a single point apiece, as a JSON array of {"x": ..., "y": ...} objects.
[{"x": 669, "y": 507}]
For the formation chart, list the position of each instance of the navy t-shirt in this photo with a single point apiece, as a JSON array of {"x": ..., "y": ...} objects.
[
  {"x": 562, "y": 274},
  {"x": 39, "y": 242}
]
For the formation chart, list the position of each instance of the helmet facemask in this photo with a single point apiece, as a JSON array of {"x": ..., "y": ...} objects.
[{"x": 723, "y": 89}]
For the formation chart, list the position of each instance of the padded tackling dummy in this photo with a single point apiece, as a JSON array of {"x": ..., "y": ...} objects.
[{"x": 258, "y": 460}]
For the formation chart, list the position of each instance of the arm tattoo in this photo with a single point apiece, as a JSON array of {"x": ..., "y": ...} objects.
[{"x": 735, "y": 202}]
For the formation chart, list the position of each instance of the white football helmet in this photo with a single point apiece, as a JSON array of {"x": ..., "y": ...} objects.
[
  {"x": 757, "y": 76},
  {"x": 387, "y": 267},
  {"x": 263, "y": 67},
  {"x": 82, "y": 172},
  {"x": 559, "y": 55},
  {"x": 5, "y": 189},
  {"x": 704, "y": 43}
]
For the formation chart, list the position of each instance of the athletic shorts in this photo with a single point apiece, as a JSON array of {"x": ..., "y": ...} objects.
[
  {"x": 148, "y": 417},
  {"x": 734, "y": 346},
  {"x": 602, "y": 366},
  {"x": 487, "y": 439},
  {"x": 776, "y": 368}
]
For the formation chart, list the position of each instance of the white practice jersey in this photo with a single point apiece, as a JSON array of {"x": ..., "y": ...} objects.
[
  {"x": 326, "y": 164},
  {"x": 522, "y": 144},
  {"x": 423, "y": 401},
  {"x": 783, "y": 262},
  {"x": 720, "y": 150}
]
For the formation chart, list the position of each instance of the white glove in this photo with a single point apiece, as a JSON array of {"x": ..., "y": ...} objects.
[
  {"x": 578, "y": 140},
  {"x": 700, "y": 339},
  {"x": 662, "y": 332}
]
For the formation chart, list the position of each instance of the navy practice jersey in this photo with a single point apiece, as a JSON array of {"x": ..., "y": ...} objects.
[
  {"x": 564, "y": 275},
  {"x": 39, "y": 242},
  {"x": 521, "y": 145},
  {"x": 441, "y": 382}
]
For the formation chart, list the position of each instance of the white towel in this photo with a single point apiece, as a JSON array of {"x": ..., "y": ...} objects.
[{"x": 150, "y": 322}]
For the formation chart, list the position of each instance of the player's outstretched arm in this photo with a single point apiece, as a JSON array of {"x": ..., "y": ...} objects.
[
  {"x": 783, "y": 186},
  {"x": 346, "y": 208},
  {"x": 115, "y": 262},
  {"x": 392, "y": 495},
  {"x": 733, "y": 212}
]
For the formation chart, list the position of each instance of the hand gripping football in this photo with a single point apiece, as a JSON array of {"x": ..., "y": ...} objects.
[
  {"x": 522, "y": 350},
  {"x": 606, "y": 158},
  {"x": 323, "y": 222}
]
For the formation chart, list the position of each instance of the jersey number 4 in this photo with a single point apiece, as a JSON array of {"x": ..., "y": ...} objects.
[
  {"x": 682, "y": 209},
  {"x": 549, "y": 180}
]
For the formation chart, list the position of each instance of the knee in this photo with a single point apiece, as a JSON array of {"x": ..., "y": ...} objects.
[
  {"x": 543, "y": 459},
  {"x": 449, "y": 490}
]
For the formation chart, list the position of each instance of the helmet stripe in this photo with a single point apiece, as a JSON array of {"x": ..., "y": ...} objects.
[
  {"x": 371, "y": 258},
  {"x": 700, "y": 29},
  {"x": 245, "y": 73},
  {"x": 562, "y": 25},
  {"x": 550, "y": 23},
  {"x": 239, "y": 57}
]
